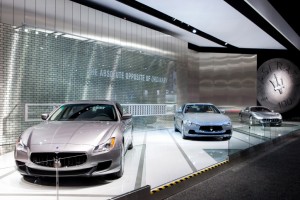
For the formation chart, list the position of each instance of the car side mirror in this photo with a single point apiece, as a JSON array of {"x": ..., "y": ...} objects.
[
  {"x": 44, "y": 116},
  {"x": 179, "y": 111},
  {"x": 222, "y": 111},
  {"x": 126, "y": 116}
]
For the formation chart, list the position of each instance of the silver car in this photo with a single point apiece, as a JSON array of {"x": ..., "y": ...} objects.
[
  {"x": 83, "y": 138},
  {"x": 260, "y": 115},
  {"x": 202, "y": 120}
]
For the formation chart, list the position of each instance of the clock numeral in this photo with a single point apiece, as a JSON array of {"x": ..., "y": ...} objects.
[
  {"x": 264, "y": 99},
  {"x": 285, "y": 103}
]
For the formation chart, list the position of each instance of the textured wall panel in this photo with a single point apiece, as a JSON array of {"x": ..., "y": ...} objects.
[
  {"x": 76, "y": 18},
  {"x": 50, "y": 15},
  {"x": 68, "y": 17},
  {"x": 7, "y": 11},
  {"x": 91, "y": 22},
  {"x": 60, "y": 15},
  {"x": 99, "y": 25},
  {"x": 18, "y": 12},
  {"x": 84, "y": 15}
]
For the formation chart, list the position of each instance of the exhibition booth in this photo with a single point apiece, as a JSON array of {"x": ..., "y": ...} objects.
[{"x": 46, "y": 62}]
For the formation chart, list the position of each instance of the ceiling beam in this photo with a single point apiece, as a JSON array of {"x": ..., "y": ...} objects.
[{"x": 244, "y": 8}]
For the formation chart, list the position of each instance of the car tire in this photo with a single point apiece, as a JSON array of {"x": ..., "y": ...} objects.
[
  {"x": 251, "y": 122},
  {"x": 130, "y": 146},
  {"x": 182, "y": 132},
  {"x": 120, "y": 173},
  {"x": 175, "y": 129},
  {"x": 131, "y": 143},
  {"x": 240, "y": 118}
]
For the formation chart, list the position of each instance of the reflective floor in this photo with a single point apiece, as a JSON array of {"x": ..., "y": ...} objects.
[{"x": 158, "y": 157}]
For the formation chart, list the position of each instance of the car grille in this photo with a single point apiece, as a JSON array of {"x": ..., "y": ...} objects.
[
  {"x": 271, "y": 120},
  {"x": 211, "y": 128},
  {"x": 65, "y": 159}
]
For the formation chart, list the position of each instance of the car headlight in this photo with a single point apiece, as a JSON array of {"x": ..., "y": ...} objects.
[
  {"x": 280, "y": 116},
  {"x": 20, "y": 146},
  {"x": 187, "y": 122},
  {"x": 107, "y": 146},
  {"x": 227, "y": 124}
]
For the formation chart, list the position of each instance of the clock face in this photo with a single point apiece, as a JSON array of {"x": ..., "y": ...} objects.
[{"x": 278, "y": 84}]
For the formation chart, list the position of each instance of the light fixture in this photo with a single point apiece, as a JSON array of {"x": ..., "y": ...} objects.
[
  {"x": 194, "y": 31},
  {"x": 74, "y": 37}
]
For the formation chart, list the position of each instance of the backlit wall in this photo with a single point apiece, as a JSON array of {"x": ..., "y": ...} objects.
[{"x": 57, "y": 51}]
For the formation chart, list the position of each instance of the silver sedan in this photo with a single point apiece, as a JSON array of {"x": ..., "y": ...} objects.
[
  {"x": 83, "y": 138},
  {"x": 202, "y": 120}
]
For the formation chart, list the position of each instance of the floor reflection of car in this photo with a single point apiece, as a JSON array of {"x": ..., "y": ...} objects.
[
  {"x": 260, "y": 115},
  {"x": 83, "y": 138},
  {"x": 202, "y": 120}
]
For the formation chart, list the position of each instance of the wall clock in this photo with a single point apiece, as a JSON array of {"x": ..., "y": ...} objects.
[{"x": 278, "y": 84}]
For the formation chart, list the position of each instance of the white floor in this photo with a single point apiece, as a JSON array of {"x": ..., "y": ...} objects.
[{"x": 158, "y": 157}]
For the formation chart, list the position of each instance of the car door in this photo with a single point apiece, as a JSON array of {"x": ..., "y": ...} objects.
[{"x": 127, "y": 123}]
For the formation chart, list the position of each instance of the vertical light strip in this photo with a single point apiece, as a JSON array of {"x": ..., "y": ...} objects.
[
  {"x": 88, "y": 76},
  {"x": 0, "y": 10},
  {"x": 9, "y": 81}
]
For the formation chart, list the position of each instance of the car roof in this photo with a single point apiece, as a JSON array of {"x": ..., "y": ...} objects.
[
  {"x": 199, "y": 104},
  {"x": 91, "y": 102},
  {"x": 257, "y": 107}
]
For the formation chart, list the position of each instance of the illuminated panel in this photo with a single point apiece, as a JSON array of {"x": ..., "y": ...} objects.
[{"x": 278, "y": 84}]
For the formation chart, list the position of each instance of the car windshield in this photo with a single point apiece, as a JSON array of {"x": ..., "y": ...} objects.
[
  {"x": 85, "y": 112},
  {"x": 260, "y": 109},
  {"x": 199, "y": 108}
]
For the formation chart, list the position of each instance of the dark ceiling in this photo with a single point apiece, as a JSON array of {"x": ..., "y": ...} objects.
[{"x": 289, "y": 10}]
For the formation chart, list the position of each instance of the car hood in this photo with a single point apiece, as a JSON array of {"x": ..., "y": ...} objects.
[
  {"x": 266, "y": 114},
  {"x": 62, "y": 132},
  {"x": 207, "y": 118}
]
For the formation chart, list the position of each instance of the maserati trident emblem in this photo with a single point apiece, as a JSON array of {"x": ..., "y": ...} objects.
[
  {"x": 277, "y": 84},
  {"x": 56, "y": 163},
  {"x": 211, "y": 129}
]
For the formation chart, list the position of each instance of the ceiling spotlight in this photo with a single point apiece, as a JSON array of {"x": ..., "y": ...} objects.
[{"x": 194, "y": 31}]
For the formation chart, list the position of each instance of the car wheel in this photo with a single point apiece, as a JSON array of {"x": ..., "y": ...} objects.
[
  {"x": 182, "y": 132},
  {"x": 131, "y": 145},
  {"x": 175, "y": 128},
  {"x": 119, "y": 174},
  {"x": 251, "y": 121},
  {"x": 241, "y": 119}
]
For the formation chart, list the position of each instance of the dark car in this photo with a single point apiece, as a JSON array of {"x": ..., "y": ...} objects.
[{"x": 260, "y": 115}]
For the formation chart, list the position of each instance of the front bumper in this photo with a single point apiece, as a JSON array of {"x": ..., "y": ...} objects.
[
  {"x": 269, "y": 121},
  {"x": 207, "y": 131},
  {"x": 95, "y": 165}
]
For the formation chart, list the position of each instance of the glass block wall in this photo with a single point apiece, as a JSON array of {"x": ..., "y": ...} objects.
[{"x": 42, "y": 69}]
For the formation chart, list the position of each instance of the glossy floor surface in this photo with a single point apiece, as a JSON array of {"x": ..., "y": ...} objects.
[{"x": 158, "y": 157}]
